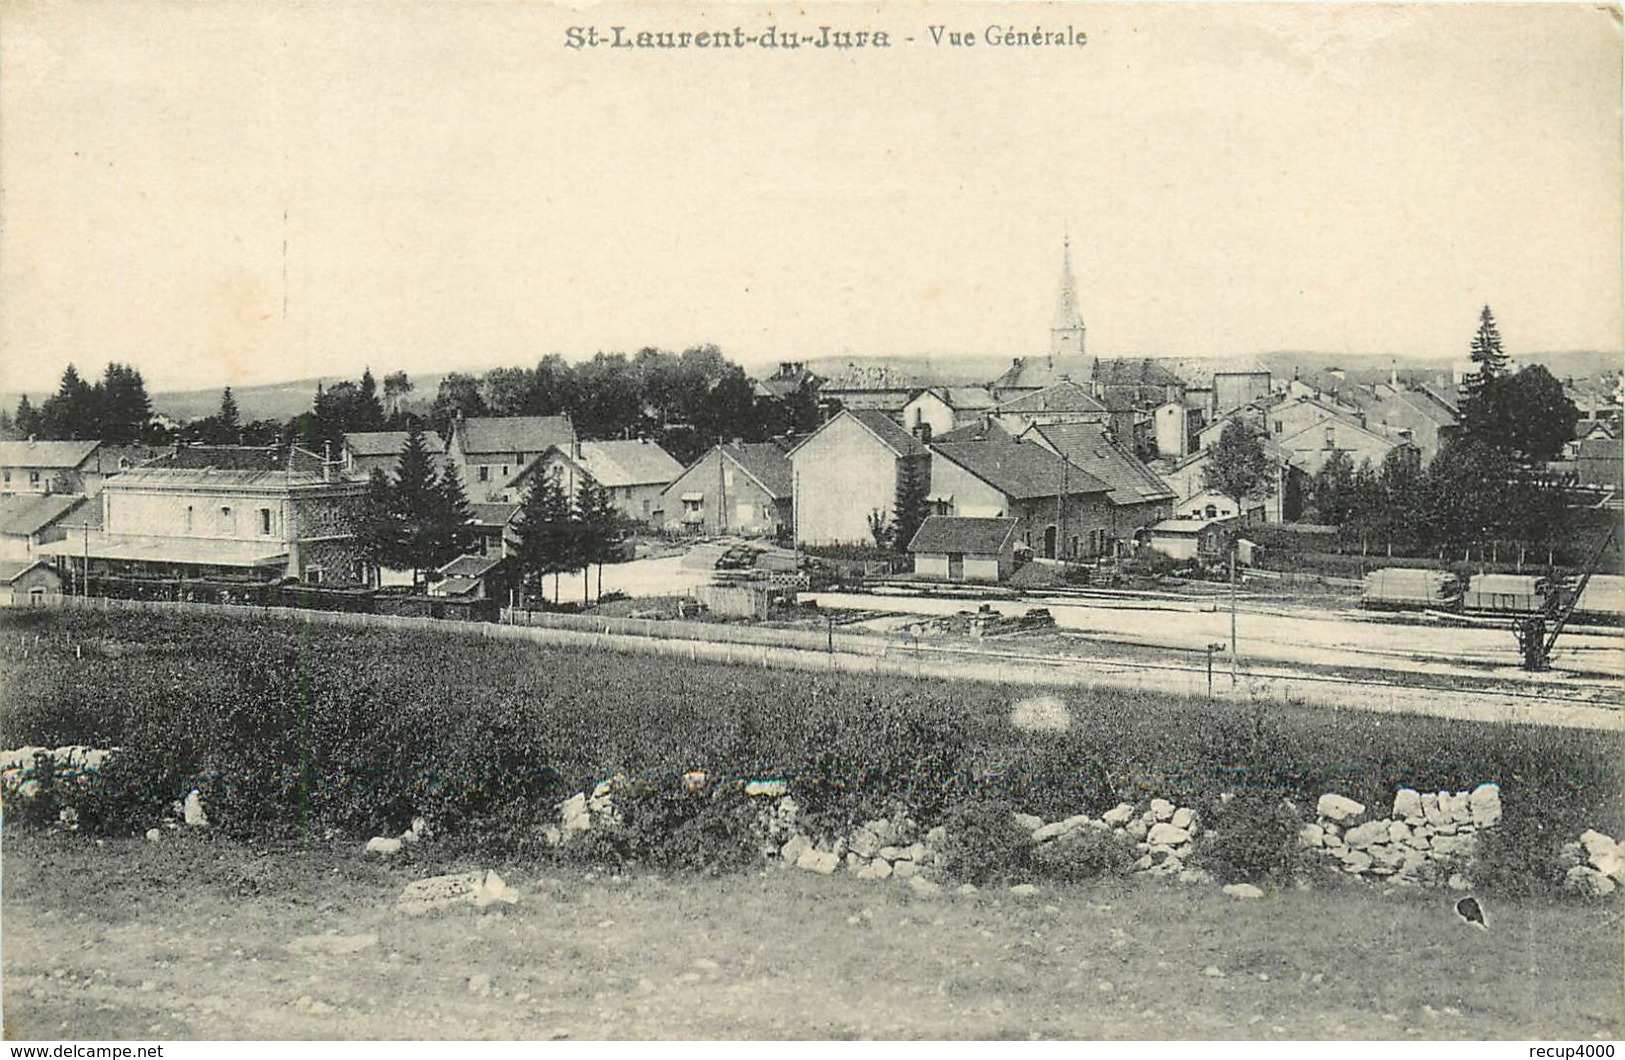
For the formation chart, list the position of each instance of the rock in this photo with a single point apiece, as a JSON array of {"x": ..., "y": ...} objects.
[
  {"x": 1027, "y": 822},
  {"x": 1183, "y": 817},
  {"x": 791, "y": 852},
  {"x": 1312, "y": 835},
  {"x": 1144, "y": 864},
  {"x": 1457, "y": 805},
  {"x": 923, "y": 887},
  {"x": 1137, "y": 828},
  {"x": 767, "y": 789},
  {"x": 574, "y": 814},
  {"x": 864, "y": 842},
  {"x": 1242, "y": 890},
  {"x": 1362, "y": 836},
  {"x": 1024, "y": 890},
  {"x": 1399, "y": 832},
  {"x": 153, "y": 835},
  {"x": 1458, "y": 882},
  {"x": 1213, "y": 972},
  {"x": 878, "y": 869},
  {"x": 1589, "y": 882},
  {"x": 1452, "y": 844},
  {"x": 965, "y": 888},
  {"x": 1162, "y": 809},
  {"x": 439, "y": 892},
  {"x": 694, "y": 780},
  {"x": 1118, "y": 815},
  {"x": 192, "y": 809},
  {"x": 1387, "y": 855},
  {"x": 1337, "y": 808},
  {"x": 855, "y": 862},
  {"x": 1408, "y": 805},
  {"x": 903, "y": 868},
  {"x": 1169, "y": 866},
  {"x": 1356, "y": 861},
  {"x": 493, "y": 890},
  {"x": 332, "y": 945},
  {"x": 1431, "y": 811},
  {"x": 1484, "y": 805},
  {"x": 383, "y": 846},
  {"x": 823, "y": 862},
  {"x": 1596, "y": 845},
  {"x": 1163, "y": 834},
  {"x": 936, "y": 837},
  {"x": 1054, "y": 830}
]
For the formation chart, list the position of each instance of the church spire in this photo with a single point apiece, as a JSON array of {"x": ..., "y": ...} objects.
[{"x": 1067, "y": 330}]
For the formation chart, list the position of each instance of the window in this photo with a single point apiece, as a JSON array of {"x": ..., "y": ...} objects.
[
  {"x": 8, "y": 476},
  {"x": 504, "y": 472},
  {"x": 1278, "y": 426},
  {"x": 228, "y": 521},
  {"x": 189, "y": 518},
  {"x": 265, "y": 522},
  {"x": 313, "y": 575},
  {"x": 728, "y": 477},
  {"x": 1212, "y": 511},
  {"x": 33, "y": 478},
  {"x": 1331, "y": 437},
  {"x": 485, "y": 473}
]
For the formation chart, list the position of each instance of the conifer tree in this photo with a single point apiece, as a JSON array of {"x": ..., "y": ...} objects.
[
  {"x": 417, "y": 504},
  {"x": 456, "y": 524}
]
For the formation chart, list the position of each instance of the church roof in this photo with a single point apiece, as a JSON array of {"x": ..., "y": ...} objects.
[{"x": 1068, "y": 314}]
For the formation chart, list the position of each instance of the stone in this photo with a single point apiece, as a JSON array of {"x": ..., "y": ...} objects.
[
  {"x": 936, "y": 837},
  {"x": 1356, "y": 861},
  {"x": 1169, "y": 866},
  {"x": 1024, "y": 890},
  {"x": 1587, "y": 881},
  {"x": 1242, "y": 890},
  {"x": 1162, "y": 809},
  {"x": 493, "y": 890},
  {"x": 1484, "y": 805},
  {"x": 1137, "y": 828},
  {"x": 1144, "y": 863},
  {"x": 332, "y": 945},
  {"x": 1337, "y": 808},
  {"x": 903, "y": 868},
  {"x": 1312, "y": 835},
  {"x": 1458, "y": 882},
  {"x": 1452, "y": 844},
  {"x": 694, "y": 780},
  {"x": 192, "y": 809},
  {"x": 1213, "y": 972},
  {"x": 1183, "y": 817},
  {"x": 855, "y": 861},
  {"x": 923, "y": 887},
  {"x": 1408, "y": 805},
  {"x": 1362, "y": 836},
  {"x": 823, "y": 862},
  {"x": 383, "y": 846},
  {"x": 1596, "y": 844},
  {"x": 1054, "y": 830},
  {"x": 1432, "y": 812},
  {"x": 791, "y": 852},
  {"x": 153, "y": 835},
  {"x": 1118, "y": 815},
  {"x": 864, "y": 842},
  {"x": 439, "y": 892},
  {"x": 1399, "y": 832},
  {"x": 767, "y": 789},
  {"x": 964, "y": 888},
  {"x": 1163, "y": 834},
  {"x": 1027, "y": 822},
  {"x": 1457, "y": 805},
  {"x": 878, "y": 869}
]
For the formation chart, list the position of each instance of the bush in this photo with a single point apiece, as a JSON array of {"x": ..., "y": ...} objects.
[
  {"x": 1253, "y": 838},
  {"x": 1084, "y": 854},
  {"x": 1519, "y": 857},
  {"x": 984, "y": 843}
]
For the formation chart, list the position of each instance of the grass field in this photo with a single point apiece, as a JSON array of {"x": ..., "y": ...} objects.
[{"x": 189, "y": 938}]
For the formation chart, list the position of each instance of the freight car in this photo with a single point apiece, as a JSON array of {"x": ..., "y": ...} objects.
[
  {"x": 1509, "y": 594},
  {"x": 1409, "y": 589}
]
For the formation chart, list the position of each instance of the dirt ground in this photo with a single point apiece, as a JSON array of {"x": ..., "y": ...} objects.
[{"x": 190, "y": 938}]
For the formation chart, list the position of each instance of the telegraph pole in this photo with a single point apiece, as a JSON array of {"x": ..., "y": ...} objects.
[{"x": 1233, "y": 612}]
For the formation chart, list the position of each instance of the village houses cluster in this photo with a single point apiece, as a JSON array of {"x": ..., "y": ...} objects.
[{"x": 1065, "y": 456}]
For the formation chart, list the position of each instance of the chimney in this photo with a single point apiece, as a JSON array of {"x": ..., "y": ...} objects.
[
  {"x": 922, "y": 431},
  {"x": 575, "y": 449}
]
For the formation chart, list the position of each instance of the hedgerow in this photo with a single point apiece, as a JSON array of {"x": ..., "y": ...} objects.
[{"x": 288, "y": 729}]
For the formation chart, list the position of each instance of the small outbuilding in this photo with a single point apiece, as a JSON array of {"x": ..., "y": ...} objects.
[
  {"x": 28, "y": 583},
  {"x": 1191, "y": 538},
  {"x": 965, "y": 549}
]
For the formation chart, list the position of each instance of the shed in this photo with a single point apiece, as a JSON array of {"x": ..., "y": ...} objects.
[
  {"x": 965, "y": 549},
  {"x": 28, "y": 583},
  {"x": 1190, "y": 538}
]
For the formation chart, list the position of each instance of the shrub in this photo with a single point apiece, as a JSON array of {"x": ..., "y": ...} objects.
[
  {"x": 1084, "y": 854},
  {"x": 983, "y": 842},
  {"x": 1519, "y": 857},
  {"x": 1253, "y": 838}
]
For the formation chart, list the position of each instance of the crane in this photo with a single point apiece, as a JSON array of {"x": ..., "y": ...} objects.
[{"x": 1533, "y": 640}]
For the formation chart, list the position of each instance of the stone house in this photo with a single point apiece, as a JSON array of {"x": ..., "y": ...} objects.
[
  {"x": 940, "y": 409},
  {"x": 965, "y": 549},
  {"x": 488, "y": 451},
  {"x": 743, "y": 488},
  {"x": 28, "y": 582},
  {"x": 47, "y": 467},
  {"x": 365, "y": 451},
  {"x": 1062, "y": 510},
  {"x": 850, "y": 470},
  {"x": 1137, "y": 496},
  {"x": 634, "y": 473}
]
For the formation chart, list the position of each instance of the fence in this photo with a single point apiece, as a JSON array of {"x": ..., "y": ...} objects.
[{"x": 797, "y": 650}]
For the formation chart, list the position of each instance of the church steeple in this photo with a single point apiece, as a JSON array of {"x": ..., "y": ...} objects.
[{"x": 1066, "y": 332}]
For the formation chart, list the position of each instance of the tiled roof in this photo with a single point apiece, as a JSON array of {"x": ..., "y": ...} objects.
[
  {"x": 514, "y": 434},
  {"x": 885, "y": 428},
  {"x": 766, "y": 463},
  {"x": 948, "y": 533},
  {"x": 46, "y": 454},
  {"x": 29, "y": 513},
  {"x": 1065, "y": 396},
  {"x": 471, "y": 566},
  {"x": 1034, "y": 373},
  {"x": 10, "y": 570},
  {"x": 211, "y": 478},
  {"x": 964, "y": 398},
  {"x": 628, "y": 463},
  {"x": 1137, "y": 371},
  {"x": 184, "y": 550},
  {"x": 239, "y": 458},
  {"x": 388, "y": 443},
  {"x": 971, "y": 432},
  {"x": 492, "y": 513},
  {"x": 1019, "y": 469},
  {"x": 1087, "y": 445}
]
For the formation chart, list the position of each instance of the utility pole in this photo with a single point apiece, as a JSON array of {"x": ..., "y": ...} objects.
[{"x": 1233, "y": 612}]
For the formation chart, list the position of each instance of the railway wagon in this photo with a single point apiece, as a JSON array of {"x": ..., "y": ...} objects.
[
  {"x": 1603, "y": 600},
  {"x": 1410, "y": 588},
  {"x": 1508, "y": 594}
]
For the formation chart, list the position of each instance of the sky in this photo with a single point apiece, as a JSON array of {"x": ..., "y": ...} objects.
[{"x": 247, "y": 193}]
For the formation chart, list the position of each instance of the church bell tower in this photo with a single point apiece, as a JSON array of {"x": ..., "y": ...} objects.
[{"x": 1067, "y": 330}]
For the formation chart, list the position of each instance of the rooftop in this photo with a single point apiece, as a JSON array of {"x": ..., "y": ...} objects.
[
  {"x": 46, "y": 454},
  {"x": 514, "y": 434},
  {"x": 1020, "y": 470},
  {"x": 1088, "y": 446},
  {"x": 196, "y": 551},
  {"x": 948, "y": 533},
  {"x": 387, "y": 443},
  {"x": 28, "y": 513},
  {"x": 629, "y": 463},
  {"x": 1064, "y": 396},
  {"x": 766, "y": 463}
]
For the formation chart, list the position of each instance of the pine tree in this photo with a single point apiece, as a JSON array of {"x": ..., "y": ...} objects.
[
  {"x": 230, "y": 417},
  {"x": 71, "y": 412},
  {"x": 376, "y": 528},
  {"x": 913, "y": 501},
  {"x": 1486, "y": 351},
  {"x": 368, "y": 415},
  {"x": 600, "y": 530},
  {"x": 546, "y": 537},
  {"x": 417, "y": 505},
  {"x": 27, "y": 420},
  {"x": 125, "y": 408},
  {"x": 456, "y": 529}
]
